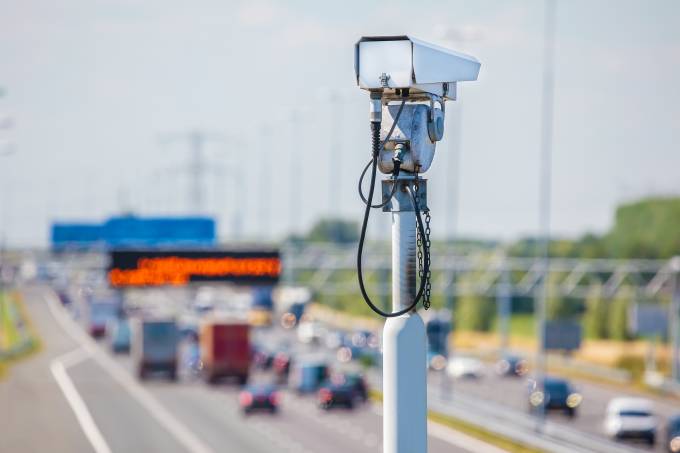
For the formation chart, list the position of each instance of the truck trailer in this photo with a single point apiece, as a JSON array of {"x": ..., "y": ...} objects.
[{"x": 225, "y": 350}]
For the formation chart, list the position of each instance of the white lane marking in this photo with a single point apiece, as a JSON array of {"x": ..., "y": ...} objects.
[
  {"x": 171, "y": 424},
  {"x": 461, "y": 440},
  {"x": 58, "y": 368}
]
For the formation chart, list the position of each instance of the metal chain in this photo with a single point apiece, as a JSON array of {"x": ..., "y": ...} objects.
[
  {"x": 428, "y": 283},
  {"x": 419, "y": 246}
]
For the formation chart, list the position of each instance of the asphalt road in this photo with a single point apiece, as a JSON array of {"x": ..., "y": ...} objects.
[
  {"x": 511, "y": 392},
  {"x": 38, "y": 413}
]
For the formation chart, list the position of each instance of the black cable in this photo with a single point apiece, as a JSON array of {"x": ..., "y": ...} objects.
[
  {"x": 396, "y": 163},
  {"x": 375, "y": 129}
]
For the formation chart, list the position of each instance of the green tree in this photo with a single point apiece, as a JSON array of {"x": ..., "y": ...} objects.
[
  {"x": 475, "y": 312},
  {"x": 618, "y": 314},
  {"x": 595, "y": 322},
  {"x": 646, "y": 229},
  {"x": 334, "y": 230}
]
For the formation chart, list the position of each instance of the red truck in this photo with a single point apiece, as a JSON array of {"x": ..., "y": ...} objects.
[{"x": 225, "y": 350}]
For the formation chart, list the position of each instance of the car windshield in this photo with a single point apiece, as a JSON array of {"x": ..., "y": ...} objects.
[
  {"x": 634, "y": 413},
  {"x": 674, "y": 424},
  {"x": 557, "y": 388},
  {"x": 313, "y": 373}
]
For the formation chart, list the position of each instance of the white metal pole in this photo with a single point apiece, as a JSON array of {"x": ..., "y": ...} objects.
[
  {"x": 404, "y": 355},
  {"x": 675, "y": 321},
  {"x": 541, "y": 295},
  {"x": 504, "y": 300}
]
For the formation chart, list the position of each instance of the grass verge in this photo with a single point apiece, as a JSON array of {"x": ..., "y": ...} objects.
[
  {"x": 472, "y": 430},
  {"x": 30, "y": 345}
]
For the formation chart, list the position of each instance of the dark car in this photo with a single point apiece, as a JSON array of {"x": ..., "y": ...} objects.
[
  {"x": 308, "y": 377},
  {"x": 511, "y": 365},
  {"x": 358, "y": 384},
  {"x": 558, "y": 395},
  {"x": 336, "y": 394},
  {"x": 673, "y": 434},
  {"x": 259, "y": 397},
  {"x": 263, "y": 358}
]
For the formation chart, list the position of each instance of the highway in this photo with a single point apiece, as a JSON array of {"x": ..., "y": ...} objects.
[{"x": 116, "y": 413}]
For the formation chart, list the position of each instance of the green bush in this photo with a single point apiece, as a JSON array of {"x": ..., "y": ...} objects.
[
  {"x": 474, "y": 312},
  {"x": 618, "y": 315},
  {"x": 595, "y": 322}
]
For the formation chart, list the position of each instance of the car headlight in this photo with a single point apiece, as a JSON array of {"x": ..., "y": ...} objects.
[
  {"x": 536, "y": 398},
  {"x": 438, "y": 362},
  {"x": 574, "y": 400},
  {"x": 675, "y": 444}
]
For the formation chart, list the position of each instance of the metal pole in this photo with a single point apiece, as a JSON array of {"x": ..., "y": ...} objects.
[
  {"x": 504, "y": 300},
  {"x": 541, "y": 295},
  {"x": 265, "y": 184},
  {"x": 196, "y": 139},
  {"x": 238, "y": 210},
  {"x": 446, "y": 386},
  {"x": 675, "y": 321},
  {"x": 404, "y": 343},
  {"x": 294, "y": 174},
  {"x": 335, "y": 157}
]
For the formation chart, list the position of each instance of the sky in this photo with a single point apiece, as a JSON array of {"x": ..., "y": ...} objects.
[{"x": 98, "y": 98}]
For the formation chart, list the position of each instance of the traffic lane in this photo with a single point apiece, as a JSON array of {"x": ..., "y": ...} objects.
[
  {"x": 512, "y": 392},
  {"x": 212, "y": 412},
  {"x": 124, "y": 422},
  {"x": 32, "y": 402},
  {"x": 212, "y": 416},
  {"x": 508, "y": 391}
]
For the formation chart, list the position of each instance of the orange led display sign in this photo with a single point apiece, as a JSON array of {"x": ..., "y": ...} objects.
[{"x": 159, "y": 268}]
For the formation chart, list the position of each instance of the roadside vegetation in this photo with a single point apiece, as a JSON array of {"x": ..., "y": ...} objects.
[
  {"x": 644, "y": 229},
  {"x": 17, "y": 336}
]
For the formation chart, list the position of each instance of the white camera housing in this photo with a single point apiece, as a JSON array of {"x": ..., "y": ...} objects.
[
  {"x": 410, "y": 134},
  {"x": 391, "y": 63}
]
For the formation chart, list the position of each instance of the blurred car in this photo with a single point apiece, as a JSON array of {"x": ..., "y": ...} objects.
[
  {"x": 297, "y": 309},
  {"x": 307, "y": 377},
  {"x": 673, "y": 434},
  {"x": 336, "y": 393},
  {"x": 631, "y": 418},
  {"x": 512, "y": 365},
  {"x": 310, "y": 332},
  {"x": 259, "y": 397},
  {"x": 281, "y": 365},
  {"x": 64, "y": 297},
  {"x": 558, "y": 394},
  {"x": 263, "y": 357},
  {"x": 436, "y": 361},
  {"x": 99, "y": 314},
  {"x": 120, "y": 335},
  {"x": 335, "y": 339},
  {"x": 465, "y": 367},
  {"x": 192, "y": 365},
  {"x": 357, "y": 382}
]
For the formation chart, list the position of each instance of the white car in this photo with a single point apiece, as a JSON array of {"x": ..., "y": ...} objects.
[
  {"x": 310, "y": 331},
  {"x": 631, "y": 418},
  {"x": 465, "y": 367}
]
